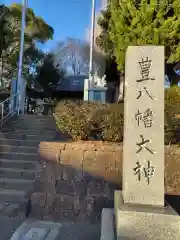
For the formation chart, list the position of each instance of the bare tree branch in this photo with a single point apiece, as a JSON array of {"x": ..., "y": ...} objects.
[{"x": 74, "y": 54}]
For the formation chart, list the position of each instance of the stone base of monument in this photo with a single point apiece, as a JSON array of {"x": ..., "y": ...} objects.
[
  {"x": 107, "y": 224},
  {"x": 37, "y": 230},
  {"x": 134, "y": 222}
]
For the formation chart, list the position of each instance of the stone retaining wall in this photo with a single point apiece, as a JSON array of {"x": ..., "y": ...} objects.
[
  {"x": 76, "y": 180},
  {"x": 101, "y": 159},
  {"x": 105, "y": 159}
]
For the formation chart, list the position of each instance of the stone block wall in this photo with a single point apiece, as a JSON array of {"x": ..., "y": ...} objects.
[
  {"x": 75, "y": 180},
  {"x": 100, "y": 159}
]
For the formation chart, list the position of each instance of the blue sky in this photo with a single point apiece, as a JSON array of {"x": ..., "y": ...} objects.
[{"x": 68, "y": 17}]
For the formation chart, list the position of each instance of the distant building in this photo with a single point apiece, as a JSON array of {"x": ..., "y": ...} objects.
[{"x": 70, "y": 87}]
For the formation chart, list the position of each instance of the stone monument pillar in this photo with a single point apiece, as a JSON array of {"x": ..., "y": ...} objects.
[
  {"x": 140, "y": 210},
  {"x": 143, "y": 146}
]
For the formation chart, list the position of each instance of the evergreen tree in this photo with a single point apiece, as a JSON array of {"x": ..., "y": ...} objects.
[
  {"x": 3, "y": 27},
  {"x": 48, "y": 74},
  {"x": 145, "y": 22},
  {"x": 37, "y": 30},
  {"x": 103, "y": 40}
]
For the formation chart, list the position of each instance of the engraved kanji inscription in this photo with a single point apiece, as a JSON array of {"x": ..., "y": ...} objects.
[
  {"x": 142, "y": 171},
  {"x": 142, "y": 145},
  {"x": 146, "y": 117},
  {"x": 145, "y": 66},
  {"x": 145, "y": 90}
]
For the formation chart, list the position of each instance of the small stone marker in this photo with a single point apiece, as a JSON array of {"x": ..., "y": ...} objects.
[
  {"x": 143, "y": 152},
  {"x": 36, "y": 233},
  {"x": 37, "y": 230}
]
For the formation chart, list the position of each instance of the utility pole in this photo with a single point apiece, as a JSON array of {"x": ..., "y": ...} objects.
[
  {"x": 91, "y": 70},
  {"x": 16, "y": 83},
  {"x": 21, "y": 53}
]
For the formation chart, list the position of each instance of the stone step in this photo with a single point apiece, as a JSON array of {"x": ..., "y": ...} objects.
[
  {"x": 28, "y": 131},
  {"x": 21, "y": 164},
  {"x": 27, "y": 136},
  {"x": 29, "y": 125},
  {"x": 34, "y": 121},
  {"x": 9, "y": 226},
  {"x": 36, "y": 126},
  {"x": 36, "y": 116},
  {"x": 16, "y": 184},
  {"x": 19, "y": 156},
  {"x": 16, "y": 142},
  {"x": 19, "y": 149},
  {"x": 12, "y": 196},
  {"x": 17, "y": 173},
  {"x": 10, "y": 209},
  {"x": 26, "y": 117}
]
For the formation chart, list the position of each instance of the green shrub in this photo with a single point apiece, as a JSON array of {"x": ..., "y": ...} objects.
[
  {"x": 172, "y": 110},
  {"x": 84, "y": 120},
  {"x": 87, "y": 120},
  {"x": 172, "y": 101},
  {"x": 109, "y": 120}
]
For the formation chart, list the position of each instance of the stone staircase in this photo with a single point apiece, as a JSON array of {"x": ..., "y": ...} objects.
[
  {"x": 64, "y": 195},
  {"x": 19, "y": 140}
]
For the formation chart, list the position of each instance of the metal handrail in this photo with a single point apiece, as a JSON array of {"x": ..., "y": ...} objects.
[{"x": 11, "y": 109}]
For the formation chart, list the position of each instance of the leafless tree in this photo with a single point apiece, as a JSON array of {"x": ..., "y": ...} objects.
[{"x": 74, "y": 55}]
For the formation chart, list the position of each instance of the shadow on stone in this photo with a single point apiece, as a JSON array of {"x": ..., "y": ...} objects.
[
  {"x": 63, "y": 193},
  {"x": 174, "y": 201}
]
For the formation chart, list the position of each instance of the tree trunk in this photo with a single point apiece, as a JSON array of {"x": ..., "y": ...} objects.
[{"x": 121, "y": 87}]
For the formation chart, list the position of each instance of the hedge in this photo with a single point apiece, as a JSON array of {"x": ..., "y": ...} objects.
[
  {"x": 90, "y": 120},
  {"x": 84, "y": 120},
  {"x": 172, "y": 101}
]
